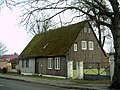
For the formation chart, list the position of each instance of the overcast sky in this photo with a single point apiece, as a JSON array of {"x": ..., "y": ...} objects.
[{"x": 14, "y": 37}]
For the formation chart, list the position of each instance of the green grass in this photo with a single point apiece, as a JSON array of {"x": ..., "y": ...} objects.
[
  {"x": 77, "y": 81},
  {"x": 12, "y": 74},
  {"x": 95, "y": 71},
  {"x": 32, "y": 76},
  {"x": 92, "y": 81}
]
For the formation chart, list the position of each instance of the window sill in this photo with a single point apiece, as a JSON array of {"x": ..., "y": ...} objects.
[
  {"x": 49, "y": 68},
  {"x": 57, "y": 69}
]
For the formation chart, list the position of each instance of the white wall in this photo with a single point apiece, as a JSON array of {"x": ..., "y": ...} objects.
[
  {"x": 79, "y": 67},
  {"x": 27, "y": 70},
  {"x": 112, "y": 65},
  {"x": 69, "y": 69}
]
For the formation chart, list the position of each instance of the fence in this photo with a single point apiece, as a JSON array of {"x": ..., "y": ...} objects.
[{"x": 96, "y": 70}]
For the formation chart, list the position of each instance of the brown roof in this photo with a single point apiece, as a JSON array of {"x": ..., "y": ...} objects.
[{"x": 14, "y": 61}]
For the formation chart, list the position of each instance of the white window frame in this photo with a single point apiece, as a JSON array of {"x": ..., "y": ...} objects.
[
  {"x": 50, "y": 63},
  {"x": 84, "y": 45},
  {"x": 89, "y": 30},
  {"x": 85, "y": 29},
  {"x": 91, "y": 45},
  {"x": 75, "y": 46},
  {"x": 57, "y": 63}
]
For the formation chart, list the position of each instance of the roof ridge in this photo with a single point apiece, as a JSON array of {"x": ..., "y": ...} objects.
[
  {"x": 62, "y": 27},
  {"x": 60, "y": 40}
]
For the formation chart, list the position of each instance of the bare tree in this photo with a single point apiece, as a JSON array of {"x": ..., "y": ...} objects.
[
  {"x": 3, "y": 49},
  {"x": 101, "y": 12},
  {"x": 39, "y": 24},
  {"x": 54, "y": 8}
]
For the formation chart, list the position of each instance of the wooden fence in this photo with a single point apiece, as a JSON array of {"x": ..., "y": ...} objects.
[{"x": 96, "y": 70}]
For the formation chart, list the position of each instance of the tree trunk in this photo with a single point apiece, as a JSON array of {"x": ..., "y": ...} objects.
[
  {"x": 116, "y": 77},
  {"x": 116, "y": 36}
]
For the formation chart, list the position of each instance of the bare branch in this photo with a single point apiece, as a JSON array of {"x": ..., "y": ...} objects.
[{"x": 3, "y": 49}]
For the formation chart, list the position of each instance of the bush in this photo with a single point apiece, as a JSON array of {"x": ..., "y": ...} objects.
[{"x": 4, "y": 70}]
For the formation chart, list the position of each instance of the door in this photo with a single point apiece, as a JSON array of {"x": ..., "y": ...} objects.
[
  {"x": 70, "y": 69},
  {"x": 37, "y": 66}
]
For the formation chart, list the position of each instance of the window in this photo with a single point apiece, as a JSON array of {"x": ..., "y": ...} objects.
[
  {"x": 50, "y": 63},
  {"x": 57, "y": 63},
  {"x": 89, "y": 30},
  {"x": 91, "y": 46},
  {"x": 84, "y": 45},
  {"x": 27, "y": 63},
  {"x": 85, "y": 29},
  {"x": 13, "y": 66},
  {"x": 22, "y": 63},
  {"x": 75, "y": 47}
]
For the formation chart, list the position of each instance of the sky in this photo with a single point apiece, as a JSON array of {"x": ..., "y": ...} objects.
[{"x": 14, "y": 37}]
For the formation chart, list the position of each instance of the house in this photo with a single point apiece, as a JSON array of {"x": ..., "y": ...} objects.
[
  {"x": 8, "y": 57},
  {"x": 5, "y": 59},
  {"x": 61, "y": 52},
  {"x": 12, "y": 65}
]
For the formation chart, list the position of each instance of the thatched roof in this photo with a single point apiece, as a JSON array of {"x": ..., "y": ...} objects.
[{"x": 53, "y": 42}]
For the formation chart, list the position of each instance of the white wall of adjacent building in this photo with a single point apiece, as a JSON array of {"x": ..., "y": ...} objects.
[{"x": 27, "y": 70}]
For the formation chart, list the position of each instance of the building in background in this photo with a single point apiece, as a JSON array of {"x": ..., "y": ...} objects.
[{"x": 6, "y": 59}]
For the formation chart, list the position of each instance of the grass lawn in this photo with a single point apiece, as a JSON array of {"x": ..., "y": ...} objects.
[
  {"x": 54, "y": 78},
  {"x": 92, "y": 81},
  {"x": 102, "y": 71}
]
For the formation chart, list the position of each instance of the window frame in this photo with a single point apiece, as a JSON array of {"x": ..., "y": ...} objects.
[
  {"x": 89, "y": 30},
  {"x": 91, "y": 45},
  {"x": 13, "y": 66},
  {"x": 57, "y": 63},
  {"x": 84, "y": 45},
  {"x": 50, "y": 63},
  {"x": 75, "y": 47},
  {"x": 85, "y": 29}
]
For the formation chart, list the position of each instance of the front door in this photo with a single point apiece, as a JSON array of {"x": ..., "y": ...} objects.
[
  {"x": 70, "y": 69},
  {"x": 37, "y": 66}
]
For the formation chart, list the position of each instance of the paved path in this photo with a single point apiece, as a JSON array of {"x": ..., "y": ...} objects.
[{"x": 59, "y": 83}]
